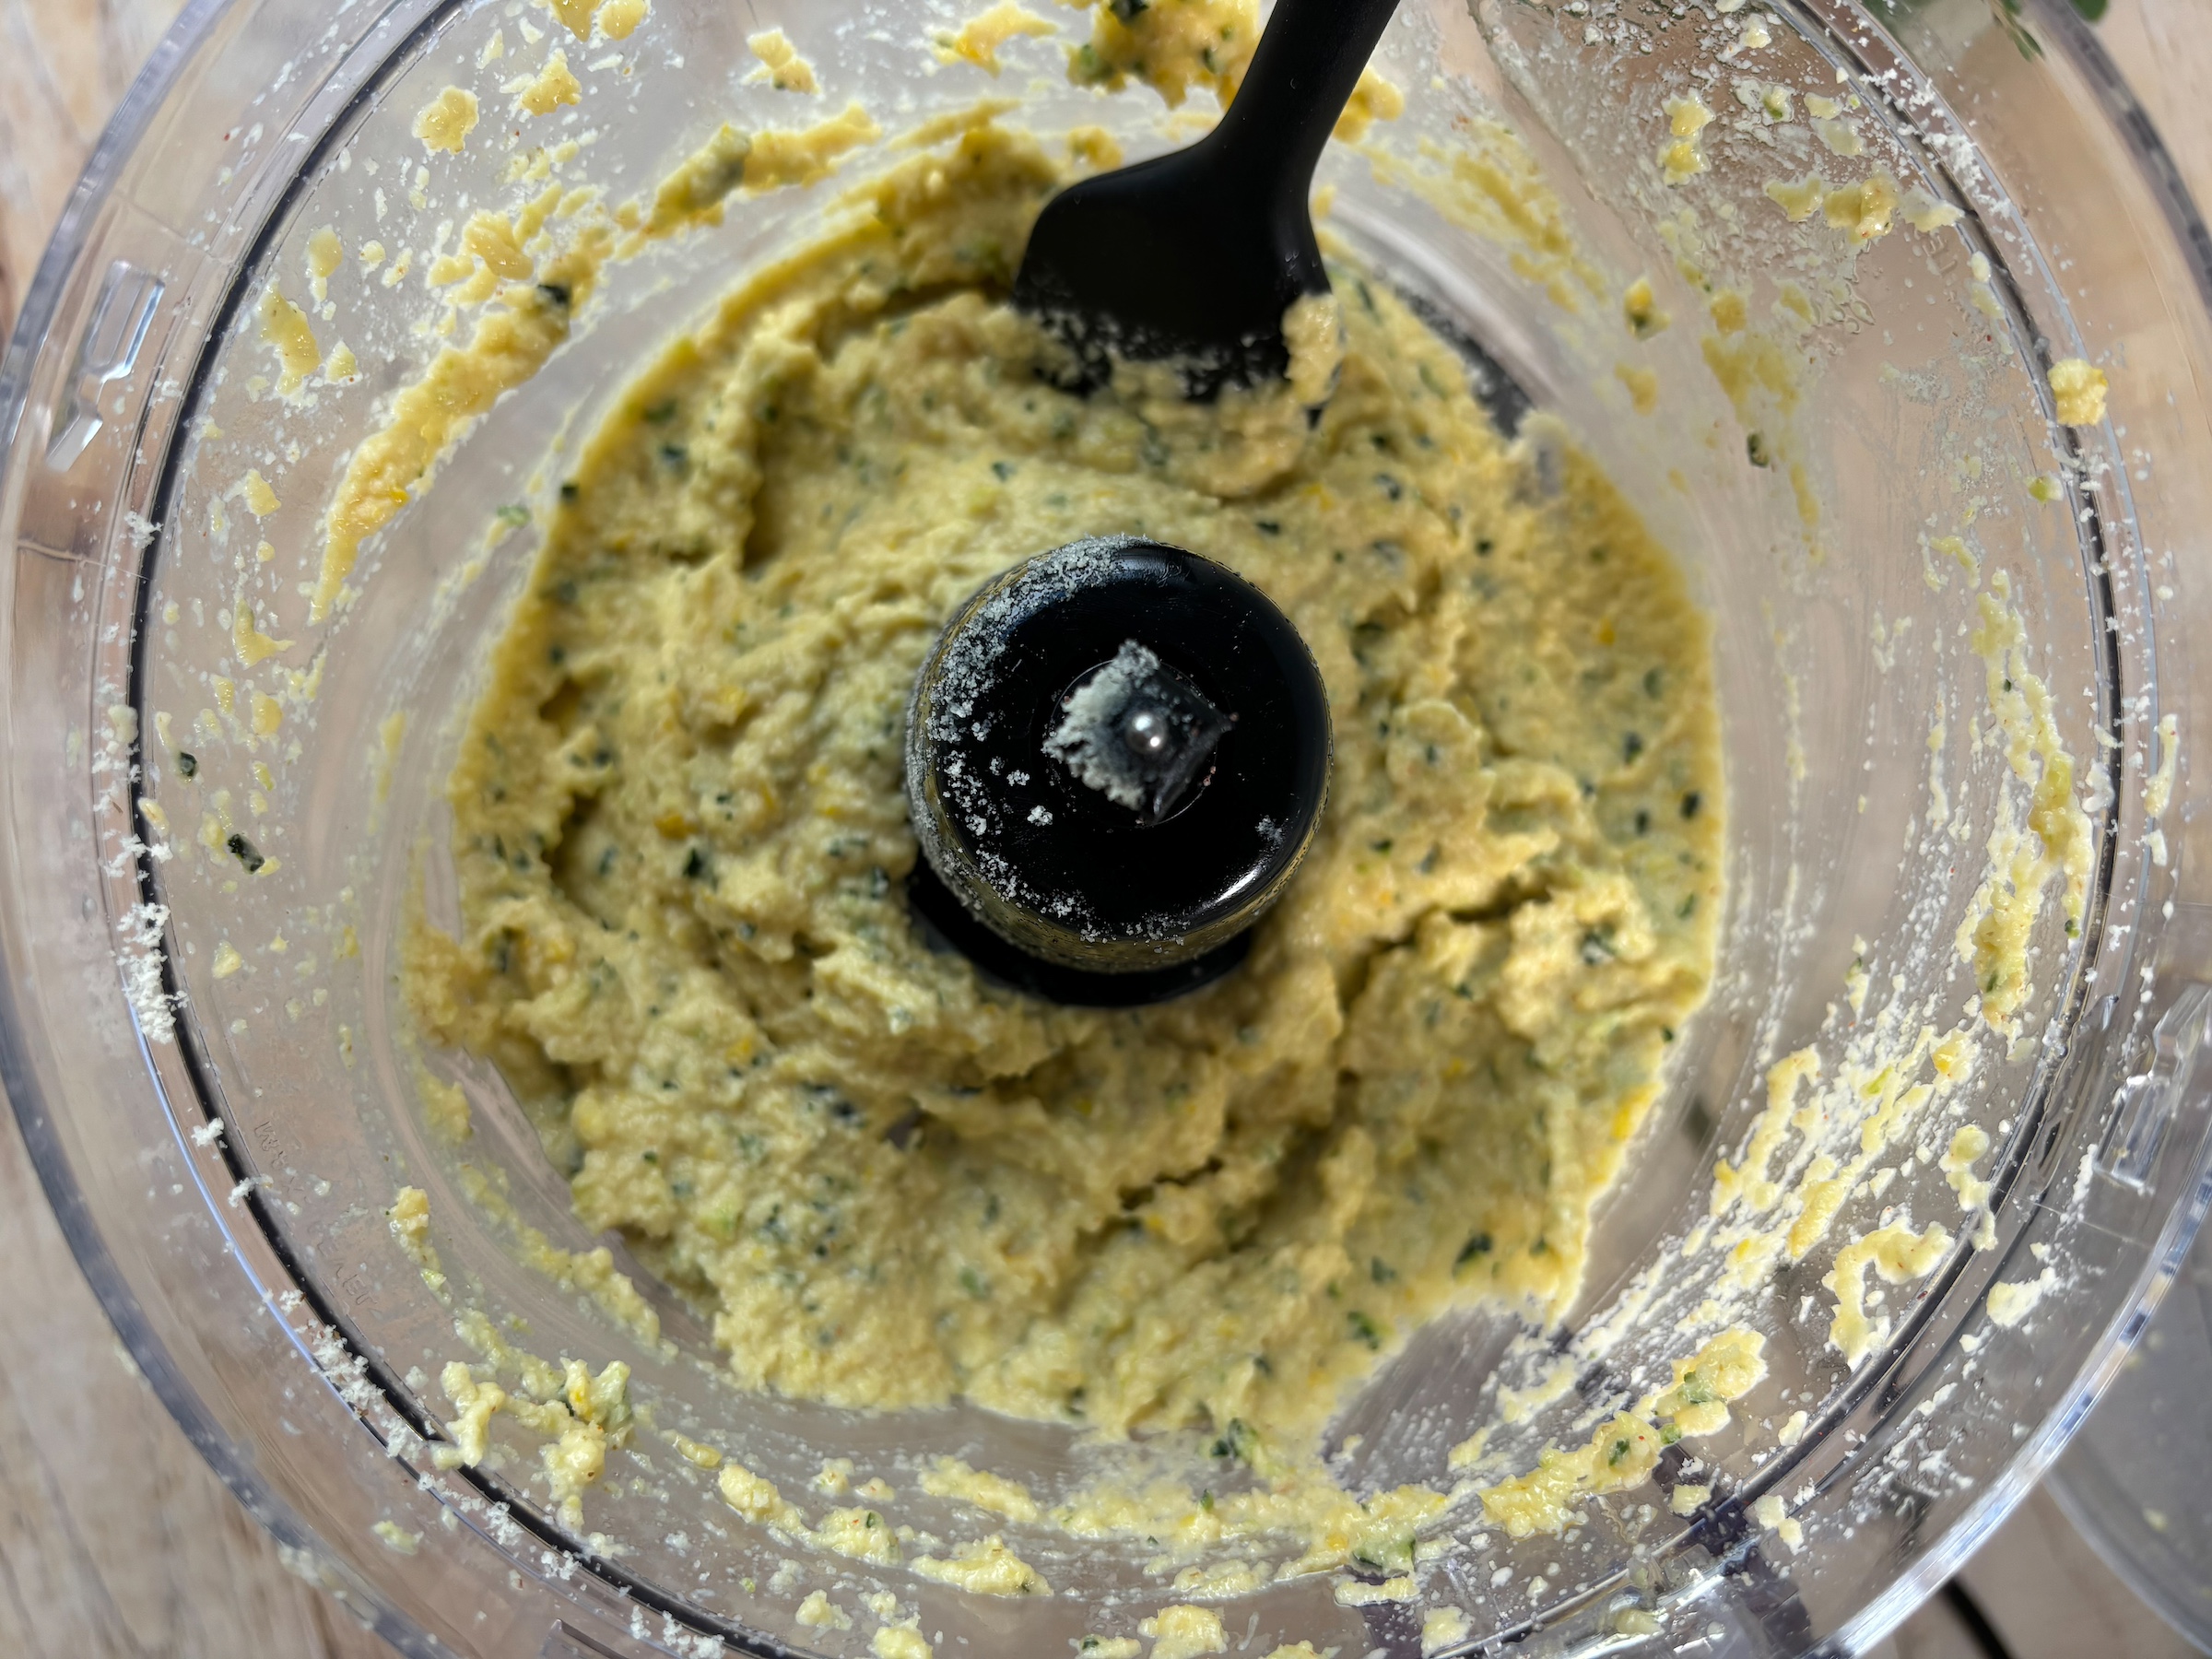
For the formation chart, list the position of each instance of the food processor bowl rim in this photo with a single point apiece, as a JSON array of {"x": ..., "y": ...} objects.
[
  {"x": 42, "y": 300},
  {"x": 2040, "y": 1454},
  {"x": 2064, "y": 28},
  {"x": 2072, "y": 34},
  {"x": 2133, "y": 121},
  {"x": 2185, "y": 1620},
  {"x": 93, "y": 185}
]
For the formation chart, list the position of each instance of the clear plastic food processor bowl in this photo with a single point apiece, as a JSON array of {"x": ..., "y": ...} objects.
[{"x": 149, "y": 986}]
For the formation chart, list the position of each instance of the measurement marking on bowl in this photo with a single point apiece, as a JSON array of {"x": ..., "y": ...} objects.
[
  {"x": 106, "y": 354},
  {"x": 2146, "y": 1104}
]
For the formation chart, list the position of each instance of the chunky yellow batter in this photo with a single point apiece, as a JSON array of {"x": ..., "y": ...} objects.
[{"x": 682, "y": 841}]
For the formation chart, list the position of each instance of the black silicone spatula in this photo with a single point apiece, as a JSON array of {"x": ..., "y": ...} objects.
[{"x": 1196, "y": 256}]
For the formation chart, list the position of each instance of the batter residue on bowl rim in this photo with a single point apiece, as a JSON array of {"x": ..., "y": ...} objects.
[{"x": 682, "y": 842}]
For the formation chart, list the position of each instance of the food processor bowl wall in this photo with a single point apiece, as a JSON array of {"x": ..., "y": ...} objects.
[
  {"x": 199, "y": 154},
  {"x": 281, "y": 1325},
  {"x": 2100, "y": 252}
]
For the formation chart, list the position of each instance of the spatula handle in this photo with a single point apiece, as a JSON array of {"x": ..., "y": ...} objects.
[{"x": 1302, "y": 75}]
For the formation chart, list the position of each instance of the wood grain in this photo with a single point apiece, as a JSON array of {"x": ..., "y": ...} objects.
[{"x": 117, "y": 1541}]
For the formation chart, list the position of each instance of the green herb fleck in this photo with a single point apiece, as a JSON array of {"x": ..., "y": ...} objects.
[{"x": 1239, "y": 1441}]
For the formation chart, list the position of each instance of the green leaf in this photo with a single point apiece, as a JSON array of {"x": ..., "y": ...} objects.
[
  {"x": 1237, "y": 1441},
  {"x": 2007, "y": 14}
]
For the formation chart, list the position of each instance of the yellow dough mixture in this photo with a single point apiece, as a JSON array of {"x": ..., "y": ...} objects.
[{"x": 682, "y": 842}]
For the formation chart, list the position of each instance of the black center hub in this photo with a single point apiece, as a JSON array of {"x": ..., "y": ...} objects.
[{"x": 1116, "y": 755}]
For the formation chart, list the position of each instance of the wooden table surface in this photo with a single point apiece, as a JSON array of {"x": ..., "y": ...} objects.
[{"x": 117, "y": 1541}]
